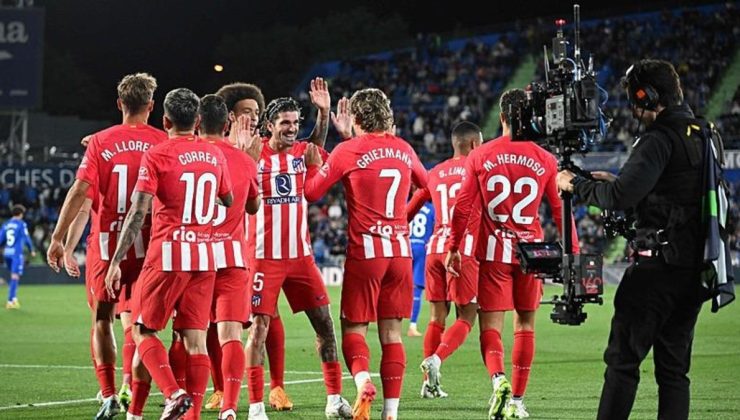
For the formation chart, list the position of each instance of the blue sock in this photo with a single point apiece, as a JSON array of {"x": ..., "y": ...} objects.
[
  {"x": 12, "y": 290},
  {"x": 417, "y": 304}
]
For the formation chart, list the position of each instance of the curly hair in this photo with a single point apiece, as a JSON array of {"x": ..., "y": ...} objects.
[
  {"x": 235, "y": 92},
  {"x": 136, "y": 91},
  {"x": 371, "y": 110},
  {"x": 512, "y": 99},
  {"x": 275, "y": 107}
]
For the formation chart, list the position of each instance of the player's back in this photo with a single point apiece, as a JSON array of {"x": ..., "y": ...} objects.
[
  {"x": 445, "y": 181},
  {"x": 513, "y": 177},
  {"x": 111, "y": 163},
  {"x": 377, "y": 180},
  {"x": 14, "y": 231},
  {"x": 186, "y": 175},
  {"x": 229, "y": 223}
]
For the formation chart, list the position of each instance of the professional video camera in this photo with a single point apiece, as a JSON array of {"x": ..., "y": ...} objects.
[{"x": 564, "y": 115}]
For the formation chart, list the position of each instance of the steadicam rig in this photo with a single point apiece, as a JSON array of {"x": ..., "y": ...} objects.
[{"x": 564, "y": 115}]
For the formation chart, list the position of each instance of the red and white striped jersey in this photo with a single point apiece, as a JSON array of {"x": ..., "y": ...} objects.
[
  {"x": 185, "y": 175},
  {"x": 110, "y": 165},
  {"x": 510, "y": 178},
  {"x": 445, "y": 181},
  {"x": 279, "y": 230},
  {"x": 377, "y": 171},
  {"x": 229, "y": 240}
]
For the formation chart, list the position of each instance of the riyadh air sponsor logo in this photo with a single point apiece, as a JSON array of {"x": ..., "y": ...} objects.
[{"x": 283, "y": 184}]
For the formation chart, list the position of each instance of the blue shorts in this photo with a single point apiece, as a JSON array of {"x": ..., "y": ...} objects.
[
  {"x": 419, "y": 253},
  {"x": 15, "y": 265}
]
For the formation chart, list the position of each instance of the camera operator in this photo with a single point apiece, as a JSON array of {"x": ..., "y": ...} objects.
[{"x": 658, "y": 300}]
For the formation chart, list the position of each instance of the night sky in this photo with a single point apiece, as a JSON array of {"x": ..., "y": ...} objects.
[{"x": 175, "y": 40}]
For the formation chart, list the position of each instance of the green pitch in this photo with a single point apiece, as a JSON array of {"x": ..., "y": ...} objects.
[{"x": 44, "y": 362}]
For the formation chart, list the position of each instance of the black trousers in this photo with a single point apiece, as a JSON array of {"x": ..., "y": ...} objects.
[{"x": 656, "y": 306}]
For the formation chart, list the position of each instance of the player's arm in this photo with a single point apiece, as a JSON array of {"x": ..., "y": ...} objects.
[
  {"x": 140, "y": 204},
  {"x": 72, "y": 204},
  {"x": 73, "y": 238},
  {"x": 3, "y": 235},
  {"x": 253, "y": 204},
  {"x": 321, "y": 99},
  {"x": 556, "y": 205},
  {"x": 417, "y": 201},
  {"x": 461, "y": 216},
  {"x": 318, "y": 181},
  {"x": 636, "y": 179},
  {"x": 419, "y": 175},
  {"x": 254, "y": 198},
  {"x": 27, "y": 240}
]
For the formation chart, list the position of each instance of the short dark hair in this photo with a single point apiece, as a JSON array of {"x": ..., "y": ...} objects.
[
  {"x": 213, "y": 114},
  {"x": 512, "y": 100},
  {"x": 181, "y": 107},
  {"x": 465, "y": 130},
  {"x": 278, "y": 105},
  {"x": 235, "y": 92},
  {"x": 18, "y": 210},
  {"x": 136, "y": 90},
  {"x": 659, "y": 74}
]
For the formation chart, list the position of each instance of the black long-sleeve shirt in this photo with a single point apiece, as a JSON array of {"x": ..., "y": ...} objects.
[
  {"x": 650, "y": 156},
  {"x": 662, "y": 182}
]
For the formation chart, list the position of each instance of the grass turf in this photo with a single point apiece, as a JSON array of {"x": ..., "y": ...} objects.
[{"x": 44, "y": 357}]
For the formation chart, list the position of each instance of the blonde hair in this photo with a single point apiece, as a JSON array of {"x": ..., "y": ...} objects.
[
  {"x": 136, "y": 91},
  {"x": 371, "y": 110}
]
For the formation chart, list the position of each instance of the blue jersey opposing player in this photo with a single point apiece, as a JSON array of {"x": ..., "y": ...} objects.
[
  {"x": 421, "y": 228},
  {"x": 13, "y": 235}
]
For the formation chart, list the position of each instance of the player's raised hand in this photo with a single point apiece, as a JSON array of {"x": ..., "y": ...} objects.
[
  {"x": 342, "y": 120},
  {"x": 55, "y": 255},
  {"x": 86, "y": 140},
  {"x": 313, "y": 157},
  {"x": 452, "y": 262},
  {"x": 247, "y": 137},
  {"x": 113, "y": 280},
  {"x": 319, "y": 93},
  {"x": 70, "y": 264}
]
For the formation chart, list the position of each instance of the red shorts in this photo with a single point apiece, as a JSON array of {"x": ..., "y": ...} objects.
[
  {"x": 504, "y": 287},
  {"x": 231, "y": 295},
  {"x": 379, "y": 288},
  {"x": 95, "y": 281},
  {"x": 299, "y": 278},
  {"x": 159, "y": 293},
  {"x": 442, "y": 286}
]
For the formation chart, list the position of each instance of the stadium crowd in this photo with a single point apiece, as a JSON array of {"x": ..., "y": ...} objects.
[{"x": 433, "y": 86}]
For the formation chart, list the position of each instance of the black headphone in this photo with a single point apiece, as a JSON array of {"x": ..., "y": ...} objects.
[{"x": 641, "y": 94}]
